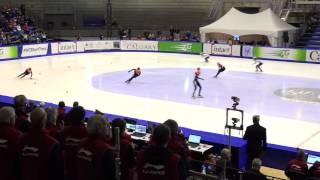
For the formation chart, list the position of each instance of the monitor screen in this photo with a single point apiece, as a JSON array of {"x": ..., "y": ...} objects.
[
  {"x": 131, "y": 126},
  {"x": 236, "y": 38},
  {"x": 194, "y": 139},
  {"x": 141, "y": 129},
  {"x": 312, "y": 159}
]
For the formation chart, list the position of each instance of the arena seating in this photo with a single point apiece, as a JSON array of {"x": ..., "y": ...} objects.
[
  {"x": 16, "y": 28},
  {"x": 311, "y": 39}
]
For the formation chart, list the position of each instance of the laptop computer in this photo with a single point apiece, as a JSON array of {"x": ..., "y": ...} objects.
[
  {"x": 312, "y": 159},
  {"x": 130, "y": 127},
  {"x": 194, "y": 140},
  {"x": 141, "y": 131}
]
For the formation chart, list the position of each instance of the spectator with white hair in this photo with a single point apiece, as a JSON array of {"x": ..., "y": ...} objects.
[
  {"x": 224, "y": 166},
  {"x": 40, "y": 156},
  {"x": 256, "y": 136},
  {"x": 95, "y": 158},
  {"x": 254, "y": 173},
  {"x": 51, "y": 126},
  {"x": 9, "y": 138},
  {"x": 22, "y": 118}
]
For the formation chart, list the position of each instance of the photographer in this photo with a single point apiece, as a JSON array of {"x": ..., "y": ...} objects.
[{"x": 256, "y": 140}]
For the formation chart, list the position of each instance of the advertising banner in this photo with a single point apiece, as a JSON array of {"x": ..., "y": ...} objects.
[
  {"x": 207, "y": 48},
  {"x": 247, "y": 51},
  {"x": 97, "y": 45},
  {"x": 313, "y": 56},
  {"x": 186, "y": 47},
  {"x": 222, "y": 49},
  {"x": 139, "y": 45},
  {"x": 80, "y": 46},
  {"x": 34, "y": 50},
  {"x": 67, "y": 47},
  {"x": 280, "y": 53},
  {"x": 8, "y": 52},
  {"x": 236, "y": 50},
  {"x": 54, "y": 48}
]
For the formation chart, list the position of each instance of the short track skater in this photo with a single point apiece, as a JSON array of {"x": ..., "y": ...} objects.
[
  {"x": 25, "y": 73},
  {"x": 196, "y": 83},
  {"x": 206, "y": 57},
  {"x": 221, "y": 68},
  {"x": 136, "y": 73},
  {"x": 258, "y": 64}
]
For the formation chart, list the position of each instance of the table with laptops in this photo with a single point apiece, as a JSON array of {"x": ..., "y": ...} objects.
[
  {"x": 311, "y": 159},
  {"x": 195, "y": 145},
  {"x": 142, "y": 133}
]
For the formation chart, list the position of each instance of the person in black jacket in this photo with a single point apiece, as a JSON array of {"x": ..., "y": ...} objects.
[
  {"x": 256, "y": 140},
  {"x": 254, "y": 173}
]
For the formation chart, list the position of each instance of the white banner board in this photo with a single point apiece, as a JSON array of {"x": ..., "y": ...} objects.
[
  {"x": 34, "y": 50},
  {"x": 207, "y": 48},
  {"x": 236, "y": 50},
  {"x": 247, "y": 51},
  {"x": 222, "y": 49},
  {"x": 98, "y": 45},
  {"x": 313, "y": 55},
  {"x": 139, "y": 45},
  {"x": 64, "y": 47}
]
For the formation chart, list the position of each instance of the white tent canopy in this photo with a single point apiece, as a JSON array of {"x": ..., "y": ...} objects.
[{"x": 237, "y": 23}]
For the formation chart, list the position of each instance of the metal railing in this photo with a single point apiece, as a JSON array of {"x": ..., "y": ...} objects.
[{"x": 216, "y": 9}]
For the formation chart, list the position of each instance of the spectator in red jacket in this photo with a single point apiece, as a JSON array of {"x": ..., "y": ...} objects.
[
  {"x": 177, "y": 144},
  {"x": 157, "y": 162},
  {"x": 71, "y": 137},
  {"x": 297, "y": 165},
  {"x": 95, "y": 158},
  {"x": 314, "y": 170},
  {"x": 9, "y": 138},
  {"x": 61, "y": 115},
  {"x": 40, "y": 155},
  {"x": 127, "y": 155},
  {"x": 51, "y": 123}
]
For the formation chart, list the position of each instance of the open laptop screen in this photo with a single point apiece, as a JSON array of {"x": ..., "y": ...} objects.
[
  {"x": 141, "y": 129},
  {"x": 312, "y": 159},
  {"x": 131, "y": 127},
  {"x": 194, "y": 139}
]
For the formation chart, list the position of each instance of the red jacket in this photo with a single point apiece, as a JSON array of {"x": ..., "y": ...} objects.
[
  {"x": 156, "y": 163},
  {"x": 39, "y": 156},
  {"x": 61, "y": 117},
  {"x": 315, "y": 170},
  {"x": 297, "y": 166},
  {"x": 71, "y": 138},
  {"x": 95, "y": 160},
  {"x": 127, "y": 156},
  {"x": 9, "y": 138},
  {"x": 53, "y": 131}
]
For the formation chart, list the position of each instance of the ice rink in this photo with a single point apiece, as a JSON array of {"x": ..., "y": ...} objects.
[{"x": 286, "y": 95}]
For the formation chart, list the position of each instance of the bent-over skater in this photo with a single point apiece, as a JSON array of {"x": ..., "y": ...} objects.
[
  {"x": 136, "y": 73},
  {"x": 258, "y": 64},
  {"x": 221, "y": 68},
  {"x": 25, "y": 73}
]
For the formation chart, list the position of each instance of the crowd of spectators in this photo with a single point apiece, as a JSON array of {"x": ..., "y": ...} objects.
[
  {"x": 46, "y": 143},
  {"x": 16, "y": 27},
  {"x": 38, "y": 143},
  {"x": 172, "y": 35}
]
